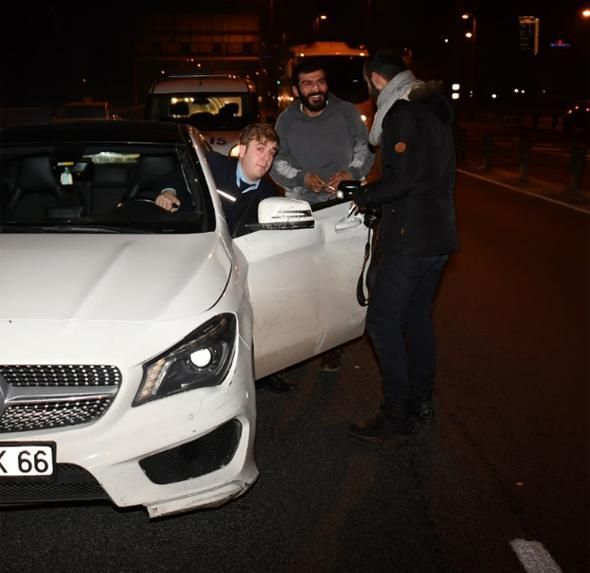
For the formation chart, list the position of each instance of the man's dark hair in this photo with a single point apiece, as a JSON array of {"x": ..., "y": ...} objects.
[
  {"x": 385, "y": 63},
  {"x": 306, "y": 66}
]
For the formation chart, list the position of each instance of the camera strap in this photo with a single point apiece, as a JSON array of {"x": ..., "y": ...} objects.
[{"x": 360, "y": 285}]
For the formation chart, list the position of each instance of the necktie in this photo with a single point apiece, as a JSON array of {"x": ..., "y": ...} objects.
[{"x": 244, "y": 185}]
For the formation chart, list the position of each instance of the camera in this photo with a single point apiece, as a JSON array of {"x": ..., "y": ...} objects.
[
  {"x": 350, "y": 189},
  {"x": 357, "y": 191}
]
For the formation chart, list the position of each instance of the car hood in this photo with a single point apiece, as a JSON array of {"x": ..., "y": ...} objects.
[{"x": 110, "y": 277}]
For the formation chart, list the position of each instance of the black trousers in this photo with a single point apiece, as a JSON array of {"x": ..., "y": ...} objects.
[{"x": 399, "y": 322}]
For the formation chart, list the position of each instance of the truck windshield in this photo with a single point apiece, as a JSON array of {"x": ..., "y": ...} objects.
[{"x": 206, "y": 111}]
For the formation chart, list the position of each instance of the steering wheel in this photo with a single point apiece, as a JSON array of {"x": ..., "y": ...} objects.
[{"x": 138, "y": 199}]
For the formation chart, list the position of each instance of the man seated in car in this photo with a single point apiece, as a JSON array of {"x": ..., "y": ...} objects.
[{"x": 240, "y": 181}]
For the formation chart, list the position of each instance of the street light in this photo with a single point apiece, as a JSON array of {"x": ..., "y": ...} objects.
[
  {"x": 316, "y": 24},
  {"x": 585, "y": 14},
  {"x": 467, "y": 17},
  {"x": 471, "y": 35}
]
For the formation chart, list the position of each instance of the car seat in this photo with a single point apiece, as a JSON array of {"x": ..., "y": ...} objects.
[
  {"x": 36, "y": 190},
  {"x": 154, "y": 173}
]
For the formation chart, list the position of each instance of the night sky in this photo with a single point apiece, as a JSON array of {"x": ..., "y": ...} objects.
[{"x": 45, "y": 49}]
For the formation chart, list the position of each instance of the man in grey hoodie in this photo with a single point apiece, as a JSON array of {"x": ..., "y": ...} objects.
[{"x": 323, "y": 139}]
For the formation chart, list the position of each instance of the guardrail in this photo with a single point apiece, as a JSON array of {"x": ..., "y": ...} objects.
[{"x": 560, "y": 164}]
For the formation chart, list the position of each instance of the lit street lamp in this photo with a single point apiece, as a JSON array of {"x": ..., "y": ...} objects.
[
  {"x": 585, "y": 15},
  {"x": 316, "y": 24},
  {"x": 470, "y": 34}
]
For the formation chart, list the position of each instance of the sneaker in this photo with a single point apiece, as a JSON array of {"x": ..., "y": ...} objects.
[
  {"x": 382, "y": 427},
  {"x": 331, "y": 361}
]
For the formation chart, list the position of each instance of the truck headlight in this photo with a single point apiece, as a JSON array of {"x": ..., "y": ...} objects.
[{"x": 201, "y": 359}]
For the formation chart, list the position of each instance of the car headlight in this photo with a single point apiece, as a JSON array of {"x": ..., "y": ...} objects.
[
  {"x": 201, "y": 359},
  {"x": 234, "y": 151}
]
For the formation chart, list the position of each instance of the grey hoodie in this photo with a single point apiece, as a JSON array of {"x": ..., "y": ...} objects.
[{"x": 335, "y": 140}]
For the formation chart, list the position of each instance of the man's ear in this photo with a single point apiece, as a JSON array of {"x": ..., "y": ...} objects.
[
  {"x": 242, "y": 150},
  {"x": 378, "y": 80},
  {"x": 295, "y": 91}
]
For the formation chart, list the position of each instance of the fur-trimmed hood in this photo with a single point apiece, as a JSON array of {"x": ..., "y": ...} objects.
[{"x": 430, "y": 93}]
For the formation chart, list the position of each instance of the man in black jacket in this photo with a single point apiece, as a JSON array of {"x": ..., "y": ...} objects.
[{"x": 418, "y": 233}]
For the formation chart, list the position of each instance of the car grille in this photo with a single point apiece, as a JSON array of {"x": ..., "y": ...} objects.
[
  {"x": 40, "y": 397},
  {"x": 70, "y": 483},
  {"x": 60, "y": 375}
]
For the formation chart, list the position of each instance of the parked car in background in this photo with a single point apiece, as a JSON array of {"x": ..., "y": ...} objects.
[
  {"x": 83, "y": 110},
  {"x": 131, "y": 336},
  {"x": 219, "y": 106},
  {"x": 577, "y": 116}
]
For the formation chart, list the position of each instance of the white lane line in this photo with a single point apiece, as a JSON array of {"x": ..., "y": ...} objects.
[
  {"x": 534, "y": 557},
  {"x": 513, "y": 188}
]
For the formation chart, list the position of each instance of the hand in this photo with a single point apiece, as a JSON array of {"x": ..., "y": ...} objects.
[
  {"x": 314, "y": 182},
  {"x": 335, "y": 180},
  {"x": 168, "y": 201},
  {"x": 372, "y": 217}
]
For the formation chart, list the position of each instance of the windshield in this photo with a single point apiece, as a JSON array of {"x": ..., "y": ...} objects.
[
  {"x": 98, "y": 188},
  {"x": 206, "y": 111}
]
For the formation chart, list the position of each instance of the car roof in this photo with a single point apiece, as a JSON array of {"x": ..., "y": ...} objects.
[
  {"x": 92, "y": 103},
  {"x": 95, "y": 131},
  {"x": 316, "y": 49},
  {"x": 202, "y": 83}
]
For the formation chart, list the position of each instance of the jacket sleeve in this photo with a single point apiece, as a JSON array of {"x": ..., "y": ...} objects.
[
  {"x": 362, "y": 157},
  {"x": 285, "y": 172},
  {"x": 402, "y": 157}
]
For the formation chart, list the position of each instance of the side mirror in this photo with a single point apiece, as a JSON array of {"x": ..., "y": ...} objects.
[{"x": 284, "y": 213}]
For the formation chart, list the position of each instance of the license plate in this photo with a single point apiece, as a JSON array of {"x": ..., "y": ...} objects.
[{"x": 27, "y": 459}]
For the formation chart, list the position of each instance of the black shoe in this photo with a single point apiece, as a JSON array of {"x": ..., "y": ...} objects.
[
  {"x": 275, "y": 383},
  {"x": 330, "y": 361},
  {"x": 425, "y": 411},
  {"x": 382, "y": 426}
]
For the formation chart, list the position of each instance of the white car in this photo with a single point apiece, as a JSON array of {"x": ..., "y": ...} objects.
[{"x": 131, "y": 337}]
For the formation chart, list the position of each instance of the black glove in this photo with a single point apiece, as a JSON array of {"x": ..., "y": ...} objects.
[{"x": 372, "y": 217}]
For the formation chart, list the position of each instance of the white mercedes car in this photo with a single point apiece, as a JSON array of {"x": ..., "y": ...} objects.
[{"x": 130, "y": 337}]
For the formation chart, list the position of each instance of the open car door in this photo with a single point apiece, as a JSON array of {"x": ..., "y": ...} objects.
[{"x": 302, "y": 284}]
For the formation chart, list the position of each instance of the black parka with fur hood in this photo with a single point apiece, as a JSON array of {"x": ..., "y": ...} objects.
[{"x": 418, "y": 176}]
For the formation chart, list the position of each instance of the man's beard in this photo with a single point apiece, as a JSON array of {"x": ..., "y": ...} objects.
[{"x": 305, "y": 100}]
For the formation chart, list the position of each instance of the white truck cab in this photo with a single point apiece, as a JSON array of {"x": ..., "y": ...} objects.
[{"x": 218, "y": 105}]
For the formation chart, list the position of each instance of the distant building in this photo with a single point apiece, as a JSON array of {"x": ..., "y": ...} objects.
[
  {"x": 528, "y": 27},
  {"x": 173, "y": 43}
]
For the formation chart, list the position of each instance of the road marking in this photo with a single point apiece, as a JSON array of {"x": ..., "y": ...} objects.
[
  {"x": 513, "y": 188},
  {"x": 534, "y": 557}
]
